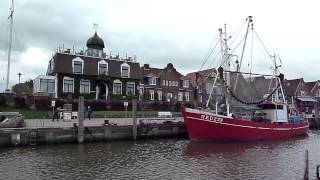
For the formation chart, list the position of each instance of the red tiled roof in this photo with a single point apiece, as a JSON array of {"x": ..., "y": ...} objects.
[{"x": 202, "y": 76}]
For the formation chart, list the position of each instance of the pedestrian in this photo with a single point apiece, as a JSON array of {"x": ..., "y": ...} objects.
[
  {"x": 55, "y": 115},
  {"x": 89, "y": 112}
]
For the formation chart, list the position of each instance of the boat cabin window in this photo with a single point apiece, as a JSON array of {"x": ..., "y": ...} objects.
[{"x": 270, "y": 106}]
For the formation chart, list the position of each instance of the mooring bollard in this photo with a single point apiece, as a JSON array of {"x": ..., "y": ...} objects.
[
  {"x": 134, "y": 118},
  {"x": 81, "y": 119}
]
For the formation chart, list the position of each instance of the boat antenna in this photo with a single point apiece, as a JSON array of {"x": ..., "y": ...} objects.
[{"x": 10, "y": 45}]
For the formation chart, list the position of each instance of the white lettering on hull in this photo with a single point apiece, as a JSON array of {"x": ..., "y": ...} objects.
[{"x": 212, "y": 118}]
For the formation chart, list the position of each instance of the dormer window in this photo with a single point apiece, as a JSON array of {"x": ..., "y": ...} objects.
[
  {"x": 103, "y": 67},
  {"x": 125, "y": 70},
  {"x": 152, "y": 81},
  {"x": 77, "y": 65},
  {"x": 185, "y": 83}
]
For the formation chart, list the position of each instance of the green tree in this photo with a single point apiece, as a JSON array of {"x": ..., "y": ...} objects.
[{"x": 22, "y": 88}]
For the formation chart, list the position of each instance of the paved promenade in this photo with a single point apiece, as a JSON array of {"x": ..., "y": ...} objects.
[{"x": 47, "y": 123}]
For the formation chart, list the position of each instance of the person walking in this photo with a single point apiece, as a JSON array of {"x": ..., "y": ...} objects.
[
  {"x": 89, "y": 112},
  {"x": 55, "y": 115}
]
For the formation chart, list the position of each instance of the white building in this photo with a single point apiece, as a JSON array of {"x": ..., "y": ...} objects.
[{"x": 45, "y": 86}]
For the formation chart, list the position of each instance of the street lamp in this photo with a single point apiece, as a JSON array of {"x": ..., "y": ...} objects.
[{"x": 19, "y": 74}]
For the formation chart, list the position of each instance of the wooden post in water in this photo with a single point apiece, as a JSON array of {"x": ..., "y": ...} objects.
[
  {"x": 306, "y": 168},
  {"x": 81, "y": 119},
  {"x": 134, "y": 118}
]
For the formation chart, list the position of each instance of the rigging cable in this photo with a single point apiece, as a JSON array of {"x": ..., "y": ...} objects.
[
  {"x": 210, "y": 50},
  {"x": 262, "y": 44},
  {"x": 238, "y": 32}
]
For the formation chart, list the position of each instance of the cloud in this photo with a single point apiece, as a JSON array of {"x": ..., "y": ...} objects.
[{"x": 158, "y": 32}]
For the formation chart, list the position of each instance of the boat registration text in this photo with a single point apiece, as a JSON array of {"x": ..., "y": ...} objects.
[{"x": 212, "y": 118}]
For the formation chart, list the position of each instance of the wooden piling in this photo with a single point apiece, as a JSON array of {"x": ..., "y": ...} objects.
[
  {"x": 81, "y": 119},
  {"x": 306, "y": 169},
  {"x": 134, "y": 118}
]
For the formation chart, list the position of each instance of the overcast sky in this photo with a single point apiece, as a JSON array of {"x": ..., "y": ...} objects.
[{"x": 158, "y": 32}]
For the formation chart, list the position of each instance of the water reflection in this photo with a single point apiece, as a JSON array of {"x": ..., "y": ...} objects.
[
  {"x": 162, "y": 159},
  {"x": 206, "y": 149}
]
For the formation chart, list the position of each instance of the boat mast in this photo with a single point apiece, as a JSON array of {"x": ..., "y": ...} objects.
[
  {"x": 226, "y": 59},
  {"x": 10, "y": 45},
  {"x": 245, "y": 40}
]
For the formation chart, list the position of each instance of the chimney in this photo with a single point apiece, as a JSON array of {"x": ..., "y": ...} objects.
[{"x": 146, "y": 66}]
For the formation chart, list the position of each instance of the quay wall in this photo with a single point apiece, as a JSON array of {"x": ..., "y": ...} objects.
[{"x": 42, "y": 136}]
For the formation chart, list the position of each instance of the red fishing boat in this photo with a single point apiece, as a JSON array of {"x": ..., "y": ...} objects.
[
  {"x": 205, "y": 126},
  {"x": 269, "y": 116}
]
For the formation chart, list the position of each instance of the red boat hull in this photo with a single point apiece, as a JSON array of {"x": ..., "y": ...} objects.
[{"x": 204, "y": 126}]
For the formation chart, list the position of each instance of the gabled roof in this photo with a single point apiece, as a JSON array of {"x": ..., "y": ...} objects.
[
  {"x": 151, "y": 72},
  {"x": 198, "y": 77},
  {"x": 291, "y": 86},
  {"x": 310, "y": 86}
]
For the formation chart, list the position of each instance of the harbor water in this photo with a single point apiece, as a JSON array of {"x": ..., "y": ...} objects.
[{"x": 163, "y": 159}]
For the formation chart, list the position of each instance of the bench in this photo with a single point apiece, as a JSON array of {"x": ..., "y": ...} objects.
[{"x": 164, "y": 115}]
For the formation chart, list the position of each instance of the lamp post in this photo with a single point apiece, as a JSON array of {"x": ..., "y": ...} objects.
[{"x": 19, "y": 74}]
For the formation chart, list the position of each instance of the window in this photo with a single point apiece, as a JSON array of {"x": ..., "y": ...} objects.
[
  {"x": 159, "y": 95},
  {"x": 84, "y": 86},
  {"x": 125, "y": 70},
  {"x": 141, "y": 90},
  {"x": 102, "y": 67},
  {"x": 169, "y": 97},
  {"x": 152, "y": 81},
  {"x": 163, "y": 82},
  {"x": 130, "y": 89},
  {"x": 180, "y": 97},
  {"x": 77, "y": 65},
  {"x": 200, "y": 98},
  {"x": 117, "y": 87},
  {"x": 151, "y": 94},
  {"x": 186, "y": 95},
  {"x": 302, "y": 93},
  {"x": 67, "y": 85},
  {"x": 185, "y": 83},
  {"x": 208, "y": 88},
  {"x": 170, "y": 83},
  {"x": 47, "y": 85},
  {"x": 318, "y": 93},
  {"x": 167, "y": 83}
]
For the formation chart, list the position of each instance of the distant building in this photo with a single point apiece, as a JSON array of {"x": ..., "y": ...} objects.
[
  {"x": 92, "y": 73},
  {"x": 202, "y": 82},
  {"x": 165, "y": 84},
  {"x": 301, "y": 95}
]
